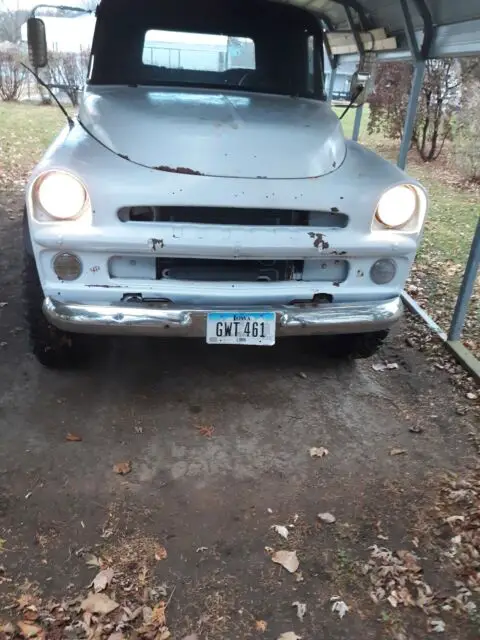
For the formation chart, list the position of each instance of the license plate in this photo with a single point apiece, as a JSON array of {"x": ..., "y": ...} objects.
[{"x": 255, "y": 328}]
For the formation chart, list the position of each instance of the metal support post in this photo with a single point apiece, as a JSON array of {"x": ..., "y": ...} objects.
[
  {"x": 417, "y": 82},
  {"x": 357, "y": 122},
  {"x": 331, "y": 84},
  {"x": 466, "y": 288}
]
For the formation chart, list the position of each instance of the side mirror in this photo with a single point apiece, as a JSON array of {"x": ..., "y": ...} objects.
[
  {"x": 37, "y": 43},
  {"x": 360, "y": 87}
]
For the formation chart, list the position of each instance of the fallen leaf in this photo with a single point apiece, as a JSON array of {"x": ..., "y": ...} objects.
[
  {"x": 7, "y": 628},
  {"x": 260, "y": 626},
  {"x": 29, "y": 630},
  {"x": 160, "y": 553},
  {"x": 122, "y": 468},
  {"x": 72, "y": 437},
  {"x": 289, "y": 635},
  {"x": 201, "y": 549},
  {"x": 378, "y": 366},
  {"x": 98, "y": 603},
  {"x": 205, "y": 430},
  {"x": 453, "y": 519},
  {"x": 339, "y": 606},
  {"x": 318, "y": 452},
  {"x": 92, "y": 561},
  {"x": 281, "y": 530},
  {"x": 102, "y": 580},
  {"x": 437, "y": 626},
  {"x": 329, "y": 518},
  {"x": 163, "y": 634},
  {"x": 397, "y": 452},
  {"x": 158, "y": 615},
  {"x": 301, "y": 609},
  {"x": 288, "y": 560}
]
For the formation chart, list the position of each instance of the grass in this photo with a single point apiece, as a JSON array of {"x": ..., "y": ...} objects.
[{"x": 27, "y": 130}]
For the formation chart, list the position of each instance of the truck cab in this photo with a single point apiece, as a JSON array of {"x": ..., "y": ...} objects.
[{"x": 206, "y": 189}]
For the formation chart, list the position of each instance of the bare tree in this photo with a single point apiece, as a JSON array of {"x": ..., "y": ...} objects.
[
  {"x": 12, "y": 74},
  {"x": 438, "y": 100},
  {"x": 68, "y": 71},
  {"x": 10, "y": 22}
]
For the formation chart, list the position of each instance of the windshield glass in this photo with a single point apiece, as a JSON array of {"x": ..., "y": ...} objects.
[{"x": 235, "y": 45}]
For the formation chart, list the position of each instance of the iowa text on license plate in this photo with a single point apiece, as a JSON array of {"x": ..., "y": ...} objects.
[{"x": 257, "y": 328}]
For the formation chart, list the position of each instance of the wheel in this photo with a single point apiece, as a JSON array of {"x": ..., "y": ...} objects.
[
  {"x": 355, "y": 346},
  {"x": 52, "y": 347}
]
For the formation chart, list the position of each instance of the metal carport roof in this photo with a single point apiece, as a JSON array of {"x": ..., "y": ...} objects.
[{"x": 454, "y": 24}]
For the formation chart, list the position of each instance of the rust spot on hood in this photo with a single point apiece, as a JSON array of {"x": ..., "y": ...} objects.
[
  {"x": 184, "y": 170},
  {"x": 319, "y": 241}
]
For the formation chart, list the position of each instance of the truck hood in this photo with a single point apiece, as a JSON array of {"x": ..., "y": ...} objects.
[{"x": 212, "y": 133}]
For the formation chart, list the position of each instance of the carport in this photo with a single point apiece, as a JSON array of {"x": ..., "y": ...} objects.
[
  {"x": 413, "y": 31},
  {"x": 176, "y": 472}
]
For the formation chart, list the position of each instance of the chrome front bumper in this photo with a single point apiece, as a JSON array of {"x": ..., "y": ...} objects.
[{"x": 147, "y": 319}]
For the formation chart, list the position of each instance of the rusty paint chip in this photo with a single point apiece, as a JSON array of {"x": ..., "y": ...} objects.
[
  {"x": 319, "y": 240},
  {"x": 184, "y": 170},
  {"x": 156, "y": 242}
]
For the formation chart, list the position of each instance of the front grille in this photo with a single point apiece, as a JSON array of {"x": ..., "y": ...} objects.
[
  {"x": 233, "y": 216},
  {"x": 227, "y": 270},
  {"x": 218, "y": 270}
]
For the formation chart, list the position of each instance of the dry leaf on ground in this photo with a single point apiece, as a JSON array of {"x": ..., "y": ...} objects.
[
  {"x": 438, "y": 626},
  {"x": 329, "y": 518},
  {"x": 260, "y": 626},
  {"x": 397, "y": 452},
  {"x": 92, "y": 561},
  {"x": 288, "y": 560},
  {"x": 281, "y": 530},
  {"x": 289, "y": 635},
  {"x": 318, "y": 452},
  {"x": 158, "y": 615},
  {"x": 384, "y": 366},
  {"x": 163, "y": 634},
  {"x": 206, "y": 431},
  {"x": 122, "y": 468},
  {"x": 29, "y": 630},
  {"x": 102, "y": 580},
  {"x": 98, "y": 603},
  {"x": 160, "y": 553},
  {"x": 72, "y": 437},
  {"x": 301, "y": 609},
  {"x": 339, "y": 606}
]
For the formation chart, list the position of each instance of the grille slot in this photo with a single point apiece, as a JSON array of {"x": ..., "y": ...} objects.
[{"x": 232, "y": 216}]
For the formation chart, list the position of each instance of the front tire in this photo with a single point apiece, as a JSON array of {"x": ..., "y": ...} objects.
[{"x": 52, "y": 347}]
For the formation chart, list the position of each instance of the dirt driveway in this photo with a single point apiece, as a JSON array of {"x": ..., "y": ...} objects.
[{"x": 218, "y": 440}]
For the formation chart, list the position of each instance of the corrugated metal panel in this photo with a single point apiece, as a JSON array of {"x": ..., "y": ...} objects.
[{"x": 388, "y": 13}]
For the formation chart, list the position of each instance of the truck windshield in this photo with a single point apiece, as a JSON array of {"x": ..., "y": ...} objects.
[{"x": 240, "y": 45}]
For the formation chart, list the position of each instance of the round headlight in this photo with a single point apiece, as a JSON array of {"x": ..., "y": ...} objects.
[
  {"x": 61, "y": 195},
  {"x": 397, "y": 206}
]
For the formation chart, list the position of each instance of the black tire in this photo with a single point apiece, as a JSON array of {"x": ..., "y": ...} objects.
[
  {"x": 355, "y": 346},
  {"x": 52, "y": 347}
]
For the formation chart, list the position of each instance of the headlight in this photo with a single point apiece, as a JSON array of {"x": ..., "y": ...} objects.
[
  {"x": 397, "y": 206},
  {"x": 61, "y": 195}
]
